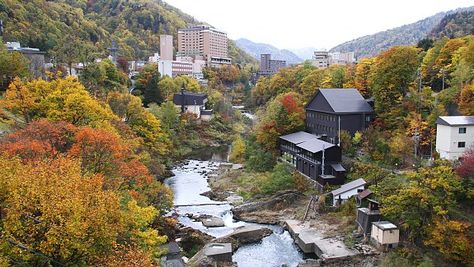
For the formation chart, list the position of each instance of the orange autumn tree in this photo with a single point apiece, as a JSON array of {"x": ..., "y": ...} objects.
[
  {"x": 99, "y": 151},
  {"x": 283, "y": 115}
]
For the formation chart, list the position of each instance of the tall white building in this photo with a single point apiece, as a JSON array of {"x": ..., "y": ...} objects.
[{"x": 454, "y": 134}]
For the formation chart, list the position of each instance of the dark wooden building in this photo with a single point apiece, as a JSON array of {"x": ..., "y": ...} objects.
[
  {"x": 313, "y": 157},
  {"x": 331, "y": 111}
]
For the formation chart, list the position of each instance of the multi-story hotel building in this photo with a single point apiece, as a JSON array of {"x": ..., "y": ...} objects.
[
  {"x": 269, "y": 66},
  {"x": 204, "y": 41}
]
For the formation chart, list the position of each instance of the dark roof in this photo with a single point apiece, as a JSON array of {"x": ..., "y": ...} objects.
[
  {"x": 189, "y": 98},
  {"x": 364, "y": 194},
  {"x": 345, "y": 100},
  {"x": 298, "y": 137},
  {"x": 455, "y": 120},
  {"x": 206, "y": 112},
  {"x": 315, "y": 145}
]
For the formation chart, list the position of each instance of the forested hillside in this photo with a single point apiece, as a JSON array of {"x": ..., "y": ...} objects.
[
  {"x": 455, "y": 25},
  {"x": 410, "y": 34},
  {"x": 90, "y": 26}
]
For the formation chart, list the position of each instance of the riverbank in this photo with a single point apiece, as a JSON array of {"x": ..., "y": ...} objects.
[{"x": 294, "y": 205}]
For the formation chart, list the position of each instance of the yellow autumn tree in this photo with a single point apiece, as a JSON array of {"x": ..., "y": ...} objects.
[
  {"x": 238, "y": 150},
  {"x": 53, "y": 214},
  {"x": 59, "y": 100},
  {"x": 466, "y": 100},
  {"x": 452, "y": 239}
]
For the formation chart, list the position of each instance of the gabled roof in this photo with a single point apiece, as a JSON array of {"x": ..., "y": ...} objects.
[
  {"x": 343, "y": 101},
  {"x": 189, "y": 98},
  {"x": 298, "y": 137},
  {"x": 348, "y": 186},
  {"x": 315, "y": 145},
  {"x": 455, "y": 120}
]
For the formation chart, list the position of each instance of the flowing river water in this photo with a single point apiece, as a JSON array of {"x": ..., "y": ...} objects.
[{"x": 190, "y": 181}]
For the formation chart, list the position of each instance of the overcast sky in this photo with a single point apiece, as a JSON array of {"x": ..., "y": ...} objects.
[{"x": 310, "y": 23}]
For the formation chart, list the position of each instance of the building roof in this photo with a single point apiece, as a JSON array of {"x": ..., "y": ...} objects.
[
  {"x": 298, "y": 137},
  {"x": 455, "y": 120},
  {"x": 189, "y": 98},
  {"x": 345, "y": 100},
  {"x": 338, "y": 167},
  {"x": 348, "y": 186},
  {"x": 385, "y": 225},
  {"x": 315, "y": 145},
  {"x": 364, "y": 194},
  {"x": 206, "y": 112}
]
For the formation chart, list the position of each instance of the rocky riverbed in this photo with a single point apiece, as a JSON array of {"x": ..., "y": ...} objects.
[{"x": 271, "y": 245}]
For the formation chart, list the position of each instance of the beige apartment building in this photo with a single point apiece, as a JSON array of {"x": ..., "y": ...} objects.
[
  {"x": 204, "y": 41},
  {"x": 166, "y": 47}
]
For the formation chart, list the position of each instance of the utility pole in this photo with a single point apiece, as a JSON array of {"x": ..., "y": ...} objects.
[
  {"x": 322, "y": 162},
  {"x": 443, "y": 72}
]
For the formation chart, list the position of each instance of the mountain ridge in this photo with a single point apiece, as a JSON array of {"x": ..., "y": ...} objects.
[
  {"x": 255, "y": 49},
  {"x": 408, "y": 34}
]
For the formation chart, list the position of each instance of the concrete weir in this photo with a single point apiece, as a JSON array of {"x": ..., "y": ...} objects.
[{"x": 313, "y": 241}]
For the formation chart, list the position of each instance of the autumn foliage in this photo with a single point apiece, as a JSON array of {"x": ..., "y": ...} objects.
[{"x": 283, "y": 115}]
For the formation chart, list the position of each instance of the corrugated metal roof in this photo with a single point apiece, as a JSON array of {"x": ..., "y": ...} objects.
[
  {"x": 385, "y": 225},
  {"x": 348, "y": 186},
  {"x": 346, "y": 100},
  {"x": 298, "y": 137},
  {"x": 315, "y": 145},
  {"x": 455, "y": 120}
]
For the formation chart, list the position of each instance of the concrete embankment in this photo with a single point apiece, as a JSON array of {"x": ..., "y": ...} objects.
[{"x": 313, "y": 241}]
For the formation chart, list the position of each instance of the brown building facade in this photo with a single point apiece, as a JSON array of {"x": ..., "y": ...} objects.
[{"x": 204, "y": 41}]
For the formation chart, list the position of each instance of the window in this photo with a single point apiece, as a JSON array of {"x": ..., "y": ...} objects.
[
  {"x": 462, "y": 130},
  {"x": 461, "y": 144}
]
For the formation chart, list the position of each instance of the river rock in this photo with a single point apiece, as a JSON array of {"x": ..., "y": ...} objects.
[
  {"x": 261, "y": 211},
  {"x": 250, "y": 234},
  {"x": 212, "y": 221}
]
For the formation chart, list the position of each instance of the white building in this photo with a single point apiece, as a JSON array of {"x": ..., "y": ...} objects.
[
  {"x": 385, "y": 234},
  {"x": 346, "y": 191},
  {"x": 165, "y": 67},
  {"x": 194, "y": 103},
  {"x": 454, "y": 134}
]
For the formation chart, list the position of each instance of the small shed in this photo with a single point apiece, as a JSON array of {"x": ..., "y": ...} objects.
[
  {"x": 346, "y": 191},
  {"x": 385, "y": 235},
  {"x": 366, "y": 216},
  {"x": 362, "y": 198}
]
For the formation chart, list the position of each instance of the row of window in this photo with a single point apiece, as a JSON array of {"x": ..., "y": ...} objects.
[
  {"x": 322, "y": 128},
  {"x": 323, "y": 117}
]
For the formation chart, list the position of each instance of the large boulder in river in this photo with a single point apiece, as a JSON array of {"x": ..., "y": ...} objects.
[
  {"x": 250, "y": 234},
  {"x": 263, "y": 210},
  {"x": 212, "y": 221}
]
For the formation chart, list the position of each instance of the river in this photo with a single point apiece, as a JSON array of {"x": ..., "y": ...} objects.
[{"x": 190, "y": 182}]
